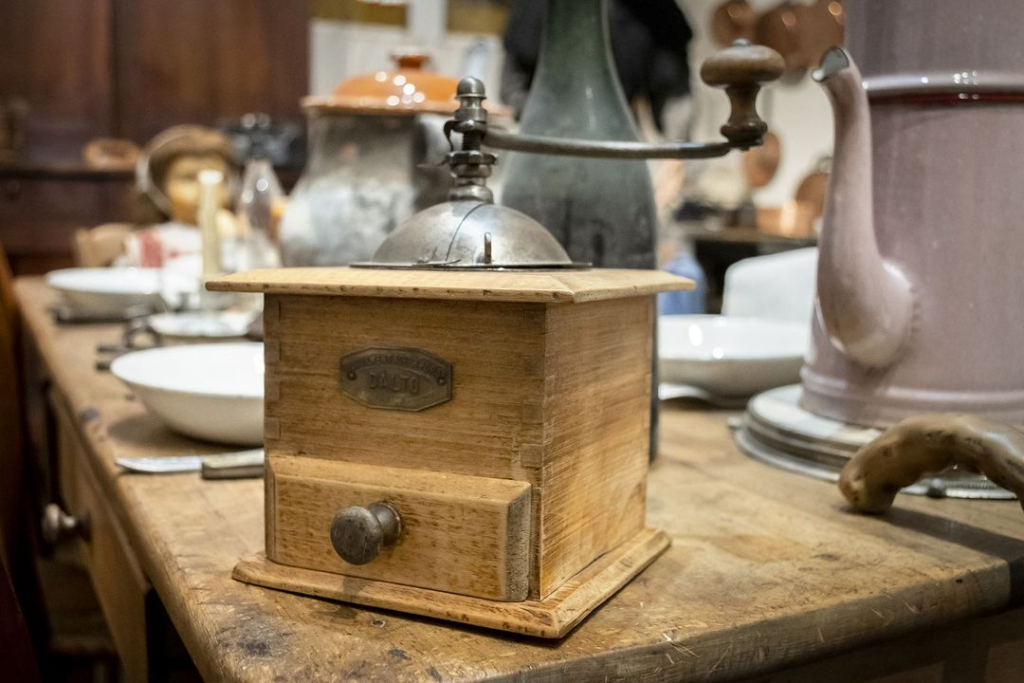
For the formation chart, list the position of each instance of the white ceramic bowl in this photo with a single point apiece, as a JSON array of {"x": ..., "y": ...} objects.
[
  {"x": 201, "y": 324},
  {"x": 730, "y": 357},
  {"x": 112, "y": 291},
  {"x": 207, "y": 391}
]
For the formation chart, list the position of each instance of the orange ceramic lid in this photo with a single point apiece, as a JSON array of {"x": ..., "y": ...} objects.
[{"x": 407, "y": 90}]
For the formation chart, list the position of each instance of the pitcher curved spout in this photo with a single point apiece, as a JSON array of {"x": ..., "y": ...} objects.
[{"x": 864, "y": 303}]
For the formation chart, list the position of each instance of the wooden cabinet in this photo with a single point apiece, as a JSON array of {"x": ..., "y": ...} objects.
[
  {"x": 127, "y": 69},
  {"x": 130, "y": 68},
  {"x": 120, "y": 585},
  {"x": 57, "y": 56},
  {"x": 40, "y": 209},
  {"x": 196, "y": 61}
]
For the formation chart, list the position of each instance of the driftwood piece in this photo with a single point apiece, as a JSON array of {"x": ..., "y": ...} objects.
[{"x": 929, "y": 444}]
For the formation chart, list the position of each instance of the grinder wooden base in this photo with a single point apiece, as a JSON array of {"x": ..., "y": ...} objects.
[{"x": 550, "y": 618}]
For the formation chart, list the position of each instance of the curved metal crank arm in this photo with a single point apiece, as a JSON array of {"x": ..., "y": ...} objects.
[
  {"x": 515, "y": 142},
  {"x": 740, "y": 70}
]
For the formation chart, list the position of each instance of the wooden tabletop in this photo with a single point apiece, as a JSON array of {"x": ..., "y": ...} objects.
[
  {"x": 745, "y": 235},
  {"x": 766, "y": 569}
]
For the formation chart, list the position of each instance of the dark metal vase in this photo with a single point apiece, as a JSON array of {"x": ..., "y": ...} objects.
[{"x": 601, "y": 210}]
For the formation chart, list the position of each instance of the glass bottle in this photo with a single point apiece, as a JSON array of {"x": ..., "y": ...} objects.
[
  {"x": 260, "y": 192},
  {"x": 601, "y": 210}
]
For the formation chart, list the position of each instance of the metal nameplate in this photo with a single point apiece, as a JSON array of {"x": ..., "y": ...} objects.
[{"x": 396, "y": 379}]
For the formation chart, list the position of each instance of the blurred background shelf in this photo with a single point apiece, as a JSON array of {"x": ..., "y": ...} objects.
[{"x": 127, "y": 69}]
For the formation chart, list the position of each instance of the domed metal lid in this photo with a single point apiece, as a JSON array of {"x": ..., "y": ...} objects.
[
  {"x": 469, "y": 231},
  {"x": 471, "y": 234}
]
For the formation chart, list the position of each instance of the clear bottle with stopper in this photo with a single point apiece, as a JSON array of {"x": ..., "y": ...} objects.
[{"x": 261, "y": 192}]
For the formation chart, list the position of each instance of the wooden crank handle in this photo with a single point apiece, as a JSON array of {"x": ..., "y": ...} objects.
[
  {"x": 929, "y": 444},
  {"x": 741, "y": 69}
]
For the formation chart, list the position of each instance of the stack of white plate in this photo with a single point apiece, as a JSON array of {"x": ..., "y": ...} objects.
[
  {"x": 113, "y": 292},
  {"x": 727, "y": 359},
  {"x": 194, "y": 325}
]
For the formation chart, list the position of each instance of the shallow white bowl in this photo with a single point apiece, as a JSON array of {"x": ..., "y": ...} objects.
[
  {"x": 730, "y": 357},
  {"x": 201, "y": 324},
  {"x": 111, "y": 291},
  {"x": 207, "y": 391}
]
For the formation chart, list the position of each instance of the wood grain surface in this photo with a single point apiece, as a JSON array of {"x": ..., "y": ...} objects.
[
  {"x": 460, "y": 534},
  {"x": 553, "y": 395},
  {"x": 116, "y": 576},
  {"x": 523, "y": 286},
  {"x": 552, "y": 617},
  {"x": 767, "y": 570},
  {"x": 596, "y": 443},
  {"x": 497, "y": 352}
]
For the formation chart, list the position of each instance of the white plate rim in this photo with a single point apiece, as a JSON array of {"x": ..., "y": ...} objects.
[
  {"x": 117, "y": 369},
  {"x": 155, "y": 321},
  {"x": 708, "y": 359},
  {"x": 54, "y": 276}
]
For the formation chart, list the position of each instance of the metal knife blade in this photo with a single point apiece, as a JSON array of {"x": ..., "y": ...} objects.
[
  {"x": 238, "y": 464},
  {"x": 186, "y": 463}
]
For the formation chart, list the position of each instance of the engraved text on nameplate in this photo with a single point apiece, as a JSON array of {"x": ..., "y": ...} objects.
[{"x": 396, "y": 379}]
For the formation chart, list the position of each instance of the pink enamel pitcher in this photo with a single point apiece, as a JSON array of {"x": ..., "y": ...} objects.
[{"x": 920, "y": 304}]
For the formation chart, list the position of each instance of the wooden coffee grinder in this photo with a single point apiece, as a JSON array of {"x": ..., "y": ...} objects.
[{"x": 459, "y": 428}]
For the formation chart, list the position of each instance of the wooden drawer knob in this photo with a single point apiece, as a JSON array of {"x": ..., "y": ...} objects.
[
  {"x": 358, "y": 533},
  {"x": 741, "y": 69},
  {"x": 58, "y": 526}
]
